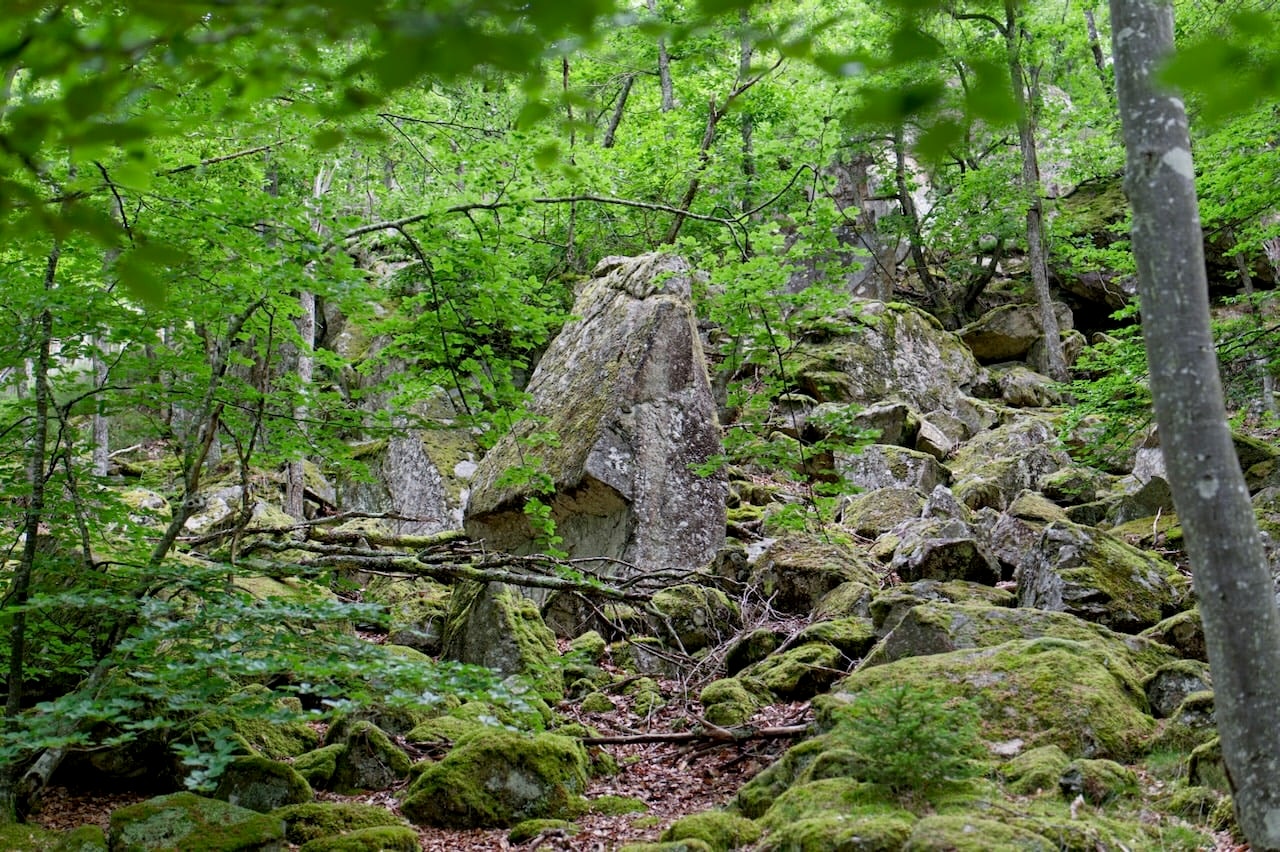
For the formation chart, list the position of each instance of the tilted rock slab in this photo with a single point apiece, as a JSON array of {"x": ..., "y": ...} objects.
[{"x": 624, "y": 388}]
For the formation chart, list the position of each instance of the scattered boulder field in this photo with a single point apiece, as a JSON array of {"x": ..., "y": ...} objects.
[{"x": 972, "y": 569}]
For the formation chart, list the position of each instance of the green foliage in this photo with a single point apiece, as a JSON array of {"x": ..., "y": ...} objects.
[
  {"x": 913, "y": 740},
  {"x": 1113, "y": 402}
]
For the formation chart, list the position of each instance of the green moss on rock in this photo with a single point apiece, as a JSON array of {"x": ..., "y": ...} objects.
[
  {"x": 33, "y": 838},
  {"x": 383, "y": 838},
  {"x": 185, "y": 822},
  {"x": 693, "y": 615},
  {"x": 318, "y": 766},
  {"x": 370, "y": 761},
  {"x": 819, "y": 798},
  {"x": 262, "y": 785},
  {"x": 86, "y": 838},
  {"x": 307, "y": 822},
  {"x": 732, "y": 701},
  {"x": 1208, "y": 768},
  {"x": 497, "y": 779},
  {"x": 858, "y": 830},
  {"x": 525, "y": 831},
  {"x": 1098, "y": 781},
  {"x": 615, "y": 805},
  {"x": 1105, "y": 716},
  {"x": 1035, "y": 769},
  {"x": 720, "y": 830},
  {"x": 971, "y": 834},
  {"x": 800, "y": 673},
  {"x": 597, "y": 702}
]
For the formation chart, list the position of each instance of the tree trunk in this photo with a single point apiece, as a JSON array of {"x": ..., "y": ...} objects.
[
  {"x": 1260, "y": 362},
  {"x": 611, "y": 132},
  {"x": 19, "y": 589},
  {"x": 1237, "y": 604},
  {"x": 1055, "y": 363},
  {"x": 746, "y": 52},
  {"x": 101, "y": 423},
  {"x": 1095, "y": 45},
  {"x": 664, "y": 66},
  {"x": 914, "y": 238}
]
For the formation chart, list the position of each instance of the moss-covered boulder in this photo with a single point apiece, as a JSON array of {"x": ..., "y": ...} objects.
[
  {"x": 1100, "y": 578},
  {"x": 847, "y": 600},
  {"x": 86, "y": 838},
  {"x": 882, "y": 466},
  {"x": 996, "y": 465},
  {"x": 890, "y": 606},
  {"x": 799, "y": 569},
  {"x": 314, "y": 820},
  {"x": 1208, "y": 768},
  {"x": 383, "y": 838},
  {"x": 497, "y": 779},
  {"x": 493, "y": 625},
  {"x": 720, "y": 830},
  {"x": 973, "y": 834},
  {"x": 853, "y": 637},
  {"x": 877, "y": 511},
  {"x": 863, "y": 830},
  {"x": 445, "y": 731},
  {"x": 186, "y": 822},
  {"x": 877, "y": 351},
  {"x": 1074, "y": 485},
  {"x": 1097, "y": 781},
  {"x": 1105, "y": 716},
  {"x": 751, "y": 647},
  {"x": 693, "y": 616},
  {"x": 938, "y": 628},
  {"x": 1170, "y": 685},
  {"x": 1004, "y": 333},
  {"x": 369, "y": 761},
  {"x": 262, "y": 785},
  {"x": 1183, "y": 632},
  {"x": 944, "y": 549},
  {"x": 318, "y": 766},
  {"x": 823, "y": 797},
  {"x": 417, "y": 610},
  {"x": 802, "y": 672},
  {"x": 732, "y": 701},
  {"x": 33, "y": 838},
  {"x": 1035, "y": 769}
]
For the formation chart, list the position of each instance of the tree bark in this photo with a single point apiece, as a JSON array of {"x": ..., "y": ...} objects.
[
  {"x": 1237, "y": 605},
  {"x": 664, "y": 66},
  {"x": 619, "y": 108},
  {"x": 1055, "y": 363}
]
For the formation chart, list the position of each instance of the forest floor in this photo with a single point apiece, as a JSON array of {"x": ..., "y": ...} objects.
[{"x": 673, "y": 780}]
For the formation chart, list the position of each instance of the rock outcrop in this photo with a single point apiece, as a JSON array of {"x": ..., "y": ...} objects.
[{"x": 622, "y": 413}]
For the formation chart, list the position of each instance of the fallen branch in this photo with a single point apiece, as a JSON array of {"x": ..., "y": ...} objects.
[{"x": 711, "y": 734}]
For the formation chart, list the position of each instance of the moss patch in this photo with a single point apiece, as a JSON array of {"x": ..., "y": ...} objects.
[
  {"x": 307, "y": 822},
  {"x": 191, "y": 823},
  {"x": 969, "y": 834},
  {"x": 262, "y": 785},
  {"x": 717, "y": 829},
  {"x": 1035, "y": 770},
  {"x": 498, "y": 779},
  {"x": 1105, "y": 716},
  {"x": 384, "y": 838}
]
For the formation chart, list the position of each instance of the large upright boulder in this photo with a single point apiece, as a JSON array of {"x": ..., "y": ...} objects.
[{"x": 624, "y": 389}]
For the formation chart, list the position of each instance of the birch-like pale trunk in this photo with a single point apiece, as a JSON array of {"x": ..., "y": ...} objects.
[
  {"x": 1237, "y": 603},
  {"x": 1055, "y": 362}
]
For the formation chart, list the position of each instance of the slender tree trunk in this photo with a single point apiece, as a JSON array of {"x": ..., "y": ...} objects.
[
  {"x": 664, "y": 66},
  {"x": 1229, "y": 566},
  {"x": 915, "y": 239},
  {"x": 101, "y": 422},
  {"x": 1055, "y": 363},
  {"x": 619, "y": 108},
  {"x": 1095, "y": 45},
  {"x": 19, "y": 590},
  {"x": 1260, "y": 365}
]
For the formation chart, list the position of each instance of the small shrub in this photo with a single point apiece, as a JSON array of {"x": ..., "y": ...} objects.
[{"x": 914, "y": 741}]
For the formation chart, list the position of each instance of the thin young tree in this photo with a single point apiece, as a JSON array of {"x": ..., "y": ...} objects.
[{"x": 1237, "y": 604}]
